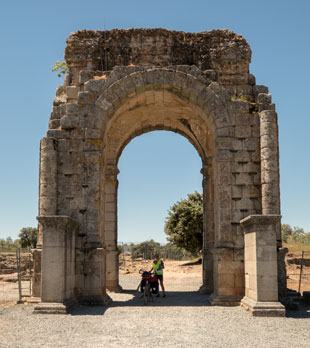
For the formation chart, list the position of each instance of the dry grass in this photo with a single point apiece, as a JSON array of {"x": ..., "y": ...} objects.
[{"x": 297, "y": 247}]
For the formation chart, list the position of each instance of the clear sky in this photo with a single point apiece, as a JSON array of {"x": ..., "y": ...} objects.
[{"x": 158, "y": 168}]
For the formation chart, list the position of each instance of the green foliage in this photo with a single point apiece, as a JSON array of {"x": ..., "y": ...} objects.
[
  {"x": 172, "y": 252},
  {"x": 28, "y": 237},
  {"x": 9, "y": 245},
  {"x": 148, "y": 249},
  {"x": 61, "y": 68},
  {"x": 295, "y": 235},
  {"x": 184, "y": 224},
  {"x": 119, "y": 249}
]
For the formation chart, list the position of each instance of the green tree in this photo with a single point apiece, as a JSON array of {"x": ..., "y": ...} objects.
[
  {"x": 286, "y": 231},
  {"x": 28, "y": 237},
  {"x": 146, "y": 249},
  {"x": 294, "y": 235},
  {"x": 184, "y": 224},
  {"x": 9, "y": 244},
  {"x": 61, "y": 68},
  {"x": 172, "y": 252}
]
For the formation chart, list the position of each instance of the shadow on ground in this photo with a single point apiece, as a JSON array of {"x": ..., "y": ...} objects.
[
  {"x": 302, "y": 313},
  {"x": 130, "y": 298}
]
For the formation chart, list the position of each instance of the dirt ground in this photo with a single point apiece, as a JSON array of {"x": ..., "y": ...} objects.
[
  {"x": 180, "y": 269},
  {"x": 293, "y": 270},
  {"x": 172, "y": 268},
  {"x": 9, "y": 292}
]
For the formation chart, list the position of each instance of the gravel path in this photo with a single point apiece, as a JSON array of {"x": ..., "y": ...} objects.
[{"x": 182, "y": 319}]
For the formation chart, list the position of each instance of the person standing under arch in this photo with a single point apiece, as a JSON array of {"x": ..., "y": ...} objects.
[{"x": 157, "y": 267}]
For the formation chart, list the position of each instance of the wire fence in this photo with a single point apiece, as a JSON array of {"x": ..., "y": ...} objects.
[
  {"x": 298, "y": 271},
  {"x": 16, "y": 269}
]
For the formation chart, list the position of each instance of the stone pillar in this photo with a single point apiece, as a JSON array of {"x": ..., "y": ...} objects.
[
  {"x": 58, "y": 267},
  {"x": 47, "y": 180},
  {"x": 47, "y": 201},
  {"x": 94, "y": 268},
  {"x": 269, "y": 152},
  {"x": 36, "y": 277},
  {"x": 207, "y": 260},
  {"x": 260, "y": 263},
  {"x": 228, "y": 277},
  {"x": 110, "y": 185},
  {"x": 207, "y": 272},
  {"x": 269, "y": 162},
  {"x": 227, "y": 269}
]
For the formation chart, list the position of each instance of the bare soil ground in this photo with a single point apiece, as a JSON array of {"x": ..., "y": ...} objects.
[
  {"x": 178, "y": 275},
  {"x": 9, "y": 292},
  {"x": 293, "y": 270},
  {"x": 180, "y": 270},
  {"x": 172, "y": 268}
]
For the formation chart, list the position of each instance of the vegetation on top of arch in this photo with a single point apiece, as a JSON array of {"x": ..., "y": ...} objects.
[{"x": 61, "y": 68}]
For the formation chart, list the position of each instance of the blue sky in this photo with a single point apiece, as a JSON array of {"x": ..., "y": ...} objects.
[{"x": 33, "y": 38}]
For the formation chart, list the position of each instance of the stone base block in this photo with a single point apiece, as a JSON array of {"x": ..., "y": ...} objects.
[
  {"x": 114, "y": 288},
  {"x": 102, "y": 300},
  {"x": 50, "y": 308},
  {"x": 204, "y": 290},
  {"x": 31, "y": 299},
  {"x": 223, "y": 300},
  {"x": 263, "y": 309}
]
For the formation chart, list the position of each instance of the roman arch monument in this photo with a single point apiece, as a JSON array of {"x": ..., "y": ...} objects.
[{"x": 121, "y": 84}]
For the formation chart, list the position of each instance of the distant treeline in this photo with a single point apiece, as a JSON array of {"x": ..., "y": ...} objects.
[
  {"x": 295, "y": 235},
  {"x": 9, "y": 244},
  {"x": 148, "y": 249},
  {"x": 27, "y": 239}
]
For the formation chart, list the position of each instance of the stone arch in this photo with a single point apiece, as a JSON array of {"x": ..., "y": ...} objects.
[
  {"x": 178, "y": 102},
  {"x": 216, "y": 105},
  {"x": 196, "y": 90}
]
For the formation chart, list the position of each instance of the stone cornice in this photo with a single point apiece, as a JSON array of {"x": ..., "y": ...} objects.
[
  {"x": 260, "y": 220},
  {"x": 58, "y": 221}
]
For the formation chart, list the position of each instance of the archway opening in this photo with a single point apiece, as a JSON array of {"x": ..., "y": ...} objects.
[
  {"x": 156, "y": 170},
  {"x": 147, "y": 111}
]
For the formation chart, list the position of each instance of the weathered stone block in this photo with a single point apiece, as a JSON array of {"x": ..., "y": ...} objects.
[
  {"x": 69, "y": 122},
  {"x": 72, "y": 92},
  {"x": 264, "y": 98},
  {"x": 243, "y": 131},
  {"x": 56, "y": 134},
  {"x": 250, "y": 144},
  {"x": 53, "y": 124},
  {"x": 55, "y": 114},
  {"x": 85, "y": 75},
  {"x": 242, "y": 156},
  {"x": 269, "y": 176},
  {"x": 240, "y": 106},
  {"x": 260, "y": 89},
  {"x": 269, "y": 141},
  {"x": 243, "y": 179},
  {"x": 236, "y": 191},
  {"x": 85, "y": 98},
  {"x": 264, "y": 107}
]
